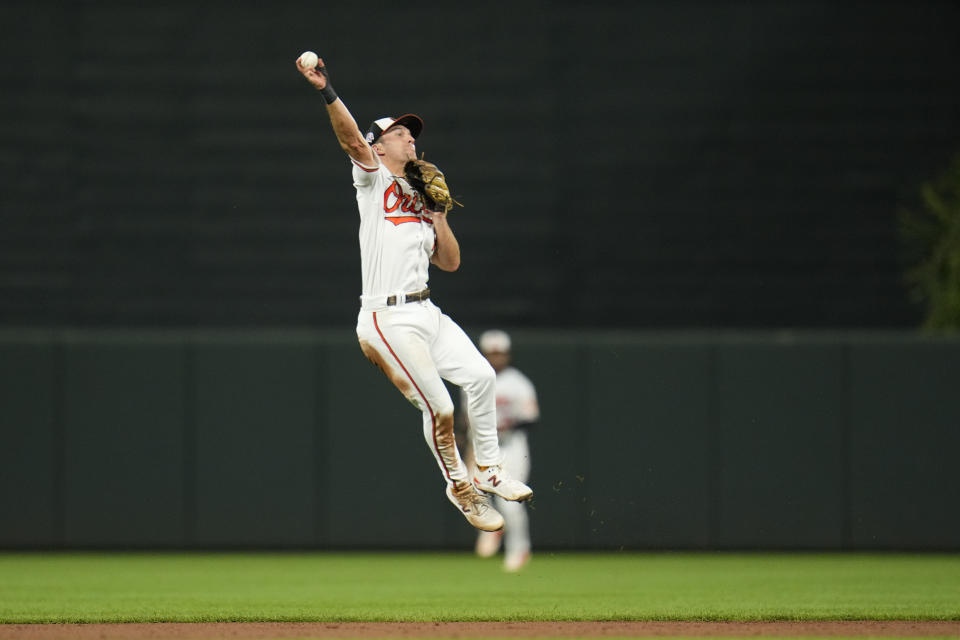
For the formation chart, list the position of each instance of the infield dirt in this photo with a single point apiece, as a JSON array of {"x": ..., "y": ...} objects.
[{"x": 308, "y": 630}]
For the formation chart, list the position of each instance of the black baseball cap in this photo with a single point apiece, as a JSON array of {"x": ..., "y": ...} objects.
[{"x": 410, "y": 121}]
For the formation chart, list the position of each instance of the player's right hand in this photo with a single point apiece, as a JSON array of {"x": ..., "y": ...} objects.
[{"x": 316, "y": 77}]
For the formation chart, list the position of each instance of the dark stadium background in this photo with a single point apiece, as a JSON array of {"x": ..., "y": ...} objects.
[
  {"x": 685, "y": 213},
  {"x": 623, "y": 164}
]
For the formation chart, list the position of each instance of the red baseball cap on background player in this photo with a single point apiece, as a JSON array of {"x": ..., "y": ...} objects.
[{"x": 412, "y": 122}]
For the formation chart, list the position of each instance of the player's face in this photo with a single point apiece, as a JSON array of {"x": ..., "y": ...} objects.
[{"x": 398, "y": 144}]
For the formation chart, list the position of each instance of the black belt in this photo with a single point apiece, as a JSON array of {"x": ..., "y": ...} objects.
[{"x": 410, "y": 297}]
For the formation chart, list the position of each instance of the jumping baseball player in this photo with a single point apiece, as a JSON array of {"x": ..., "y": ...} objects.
[
  {"x": 517, "y": 411},
  {"x": 399, "y": 328}
]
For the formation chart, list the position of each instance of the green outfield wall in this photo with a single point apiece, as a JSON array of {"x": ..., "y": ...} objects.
[{"x": 287, "y": 439}]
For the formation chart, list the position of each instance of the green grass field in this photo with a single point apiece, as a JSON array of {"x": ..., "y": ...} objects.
[{"x": 323, "y": 587}]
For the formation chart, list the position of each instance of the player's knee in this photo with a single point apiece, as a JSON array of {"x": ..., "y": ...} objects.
[
  {"x": 485, "y": 377},
  {"x": 445, "y": 421}
]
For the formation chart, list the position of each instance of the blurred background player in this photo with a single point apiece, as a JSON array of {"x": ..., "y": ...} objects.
[{"x": 517, "y": 411}]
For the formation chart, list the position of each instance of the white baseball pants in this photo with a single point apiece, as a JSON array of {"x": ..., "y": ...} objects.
[{"x": 418, "y": 347}]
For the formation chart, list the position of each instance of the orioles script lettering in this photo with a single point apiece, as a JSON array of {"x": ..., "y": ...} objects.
[{"x": 394, "y": 198}]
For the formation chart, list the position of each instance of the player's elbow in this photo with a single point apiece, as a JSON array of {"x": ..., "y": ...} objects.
[
  {"x": 449, "y": 267},
  {"x": 448, "y": 264}
]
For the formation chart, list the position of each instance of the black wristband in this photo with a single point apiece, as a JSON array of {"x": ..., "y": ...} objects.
[{"x": 328, "y": 93}]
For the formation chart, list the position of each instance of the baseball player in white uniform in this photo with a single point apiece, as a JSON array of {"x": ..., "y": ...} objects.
[
  {"x": 399, "y": 328},
  {"x": 517, "y": 411}
]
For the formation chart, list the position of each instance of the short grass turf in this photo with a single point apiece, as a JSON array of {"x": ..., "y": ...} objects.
[{"x": 423, "y": 586}]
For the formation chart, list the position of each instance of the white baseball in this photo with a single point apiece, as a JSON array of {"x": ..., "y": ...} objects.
[{"x": 308, "y": 60}]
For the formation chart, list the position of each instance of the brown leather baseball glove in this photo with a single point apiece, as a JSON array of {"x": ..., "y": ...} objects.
[{"x": 428, "y": 180}]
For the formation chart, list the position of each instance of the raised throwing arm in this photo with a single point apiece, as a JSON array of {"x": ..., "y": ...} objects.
[{"x": 344, "y": 125}]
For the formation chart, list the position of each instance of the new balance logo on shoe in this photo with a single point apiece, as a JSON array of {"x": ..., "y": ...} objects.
[
  {"x": 493, "y": 480},
  {"x": 497, "y": 480}
]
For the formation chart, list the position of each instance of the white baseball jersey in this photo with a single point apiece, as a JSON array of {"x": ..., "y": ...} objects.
[
  {"x": 415, "y": 344},
  {"x": 394, "y": 257},
  {"x": 516, "y": 399}
]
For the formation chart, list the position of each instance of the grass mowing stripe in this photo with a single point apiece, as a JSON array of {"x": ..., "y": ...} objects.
[{"x": 206, "y": 587}]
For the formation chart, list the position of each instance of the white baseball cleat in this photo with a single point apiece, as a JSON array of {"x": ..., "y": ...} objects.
[
  {"x": 488, "y": 543},
  {"x": 495, "y": 479},
  {"x": 474, "y": 508}
]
